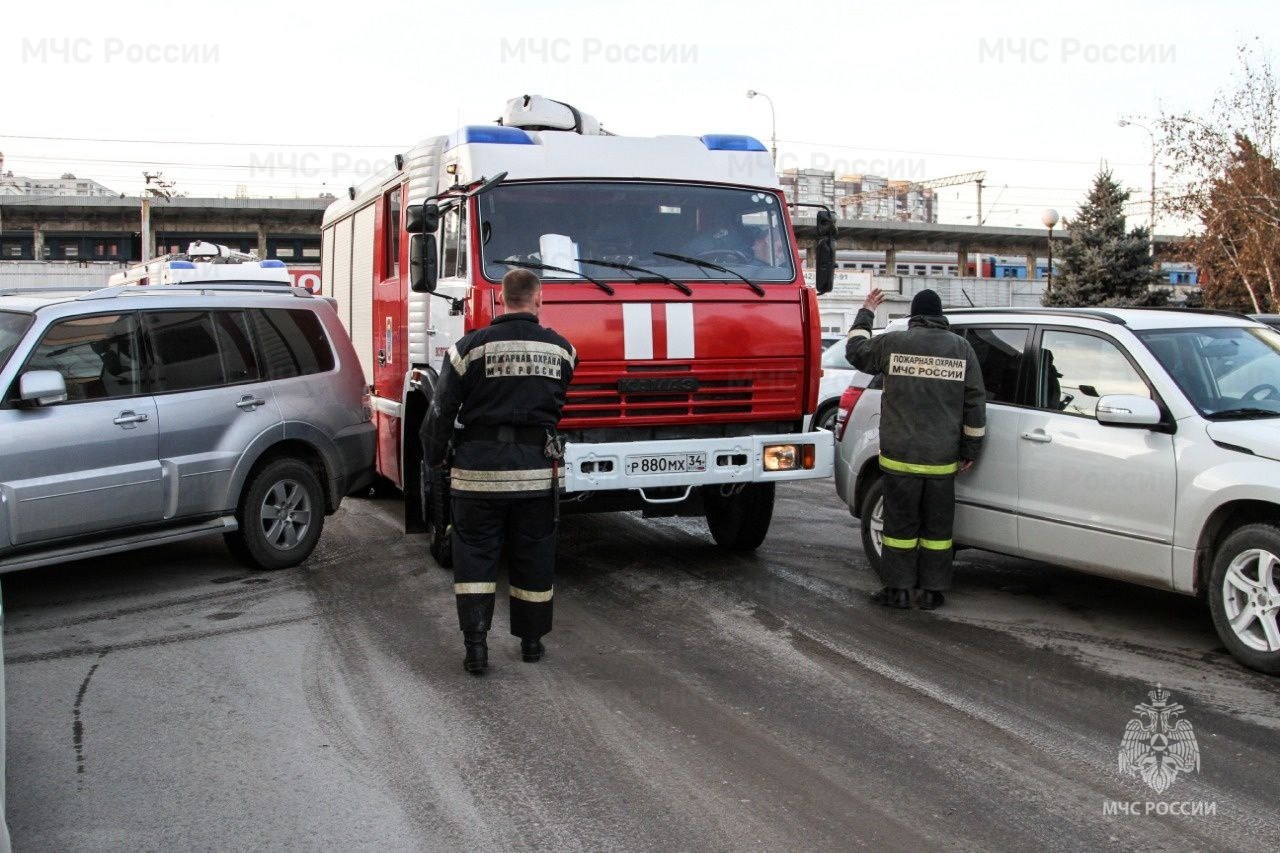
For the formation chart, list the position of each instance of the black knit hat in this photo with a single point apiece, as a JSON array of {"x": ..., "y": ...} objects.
[{"x": 926, "y": 302}]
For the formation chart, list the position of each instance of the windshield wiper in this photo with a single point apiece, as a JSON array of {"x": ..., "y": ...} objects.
[
  {"x": 533, "y": 266},
  {"x": 1245, "y": 413},
  {"x": 614, "y": 265},
  {"x": 699, "y": 262}
]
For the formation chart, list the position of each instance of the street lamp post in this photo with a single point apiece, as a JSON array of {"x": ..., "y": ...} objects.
[
  {"x": 1050, "y": 218},
  {"x": 1126, "y": 123},
  {"x": 773, "y": 123}
]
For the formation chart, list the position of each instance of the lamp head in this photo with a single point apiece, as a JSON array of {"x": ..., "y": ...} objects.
[
  {"x": 1123, "y": 122},
  {"x": 751, "y": 93},
  {"x": 1049, "y": 217}
]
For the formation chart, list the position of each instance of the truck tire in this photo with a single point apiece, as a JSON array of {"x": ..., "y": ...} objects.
[
  {"x": 872, "y": 522},
  {"x": 435, "y": 513},
  {"x": 739, "y": 522},
  {"x": 1244, "y": 595},
  {"x": 826, "y": 417},
  {"x": 281, "y": 515}
]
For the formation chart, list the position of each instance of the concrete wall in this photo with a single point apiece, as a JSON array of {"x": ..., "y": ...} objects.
[{"x": 24, "y": 274}]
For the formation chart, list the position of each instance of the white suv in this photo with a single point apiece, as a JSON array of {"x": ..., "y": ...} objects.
[{"x": 1137, "y": 444}]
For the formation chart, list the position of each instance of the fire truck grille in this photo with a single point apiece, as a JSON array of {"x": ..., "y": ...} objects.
[{"x": 604, "y": 394}]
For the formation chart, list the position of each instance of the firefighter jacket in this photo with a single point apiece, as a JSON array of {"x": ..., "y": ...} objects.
[
  {"x": 505, "y": 387},
  {"x": 933, "y": 413}
]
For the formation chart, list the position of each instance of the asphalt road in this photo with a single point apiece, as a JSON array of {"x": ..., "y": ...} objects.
[{"x": 690, "y": 700}]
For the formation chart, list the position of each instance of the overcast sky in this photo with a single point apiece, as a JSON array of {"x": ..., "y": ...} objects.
[{"x": 298, "y": 98}]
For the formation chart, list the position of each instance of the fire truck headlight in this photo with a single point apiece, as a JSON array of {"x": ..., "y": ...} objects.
[
  {"x": 788, "y": 457},
  {"x": 780, "y": 457}
]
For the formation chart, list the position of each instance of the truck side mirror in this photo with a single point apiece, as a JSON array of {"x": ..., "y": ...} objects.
[
  {"x": 826, "y": 224},
  {"x": 824, "y": 278},
  {"x": 422, "y": 218},
  {"x": 424, "y": 263}
]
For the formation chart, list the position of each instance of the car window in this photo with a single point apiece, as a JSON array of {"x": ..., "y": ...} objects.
[
  {"x": 184, "y": 346},
  {"x": 1075, "y": 370},
  {"x": 1221, "y": 369},
  {"x": 834, "y": 358},
  {"x": 97, "y": 356},
  {"x": 1000, "y": 353},
  {"x": 12, "y": 327},
  {"x": 235, "y": 342},
  {"x": 293, "y": 342}
]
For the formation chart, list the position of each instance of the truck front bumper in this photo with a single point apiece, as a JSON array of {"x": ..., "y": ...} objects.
[{"x": 698, "y": 461}]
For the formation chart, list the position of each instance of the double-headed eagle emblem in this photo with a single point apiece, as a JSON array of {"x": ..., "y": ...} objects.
[{"x": 1156, "y": 745}]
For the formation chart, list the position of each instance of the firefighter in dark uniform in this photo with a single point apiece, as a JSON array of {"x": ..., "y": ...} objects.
[
  {"x": 505, "y": 386},
  {"x": 933, "y": 418}
]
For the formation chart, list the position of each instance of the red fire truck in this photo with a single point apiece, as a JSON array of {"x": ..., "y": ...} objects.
[{"x": 668, "y": 262}]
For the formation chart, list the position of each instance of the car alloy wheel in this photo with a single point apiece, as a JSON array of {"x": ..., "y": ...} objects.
[
  {"x": 285, "y": 514},
  {"x": 1251, "y": 600},
  {"x": 877, "y": 527}
]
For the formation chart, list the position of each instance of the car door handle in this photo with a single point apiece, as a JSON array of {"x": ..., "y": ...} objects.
[
  {"x": 249, "y": 403},
  {"x": 129, "y": 418},
  {"x": 1038, "y": 436}
]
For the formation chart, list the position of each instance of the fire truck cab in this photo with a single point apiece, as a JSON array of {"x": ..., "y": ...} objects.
[{"x": 668, "y": 262}]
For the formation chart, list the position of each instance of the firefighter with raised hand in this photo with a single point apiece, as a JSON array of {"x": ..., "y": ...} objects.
[
  {"x": 505, "y": 387},
  {"x": 933, "y": 418}
]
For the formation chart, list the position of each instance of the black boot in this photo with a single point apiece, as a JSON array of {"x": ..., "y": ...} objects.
[
  {"x": 895, "y": 597},
  {"x": 531, "y": 650},
  {"x": 930, "y": 599},
  {"x": 477, "y": 659}
]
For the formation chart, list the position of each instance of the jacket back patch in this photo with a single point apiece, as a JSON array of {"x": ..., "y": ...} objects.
[{"x": 926, "y": 366}]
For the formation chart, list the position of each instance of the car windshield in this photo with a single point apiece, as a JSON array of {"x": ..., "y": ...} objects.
[
  {"x": 12, "y": 325},
  {"x": 834, "y": 357},
  {"x": 556, "y": 224},
  {"x": 1226, "y": 372}
]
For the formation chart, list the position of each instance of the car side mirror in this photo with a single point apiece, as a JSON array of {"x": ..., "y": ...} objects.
[
  {"x": 42, "y": 387},
  {"x": 1128, "y": 410},
  {"x": 422, "y": 218},
  {"x": 424, "y": 264}
]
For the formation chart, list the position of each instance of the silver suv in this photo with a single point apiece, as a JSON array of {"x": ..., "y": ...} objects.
[
  {"x": 134, "y": 416},
  {"x": 1142, "y": 445}
]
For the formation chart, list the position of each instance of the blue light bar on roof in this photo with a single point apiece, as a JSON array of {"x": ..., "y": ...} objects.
[
  {"x": 731, "y": 142},
  {"x": 181, "y": 265},
  {"x": 492, "y": 135},
  {"x": 271, "y": 264}
]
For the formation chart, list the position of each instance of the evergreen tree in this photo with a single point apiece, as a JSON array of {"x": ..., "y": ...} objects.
[{"x": 1102, "y": 264}]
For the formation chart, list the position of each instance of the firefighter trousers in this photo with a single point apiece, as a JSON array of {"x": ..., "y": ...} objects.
[
  {"x": 918, "y": 514},
  {"x": 527, "y": 527}
]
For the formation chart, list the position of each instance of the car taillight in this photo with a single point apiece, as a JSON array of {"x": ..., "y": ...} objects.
[{"x": 848, "y": 400}]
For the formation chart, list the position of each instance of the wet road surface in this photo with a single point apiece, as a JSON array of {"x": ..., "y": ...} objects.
[{"x": 691, "y": 699}]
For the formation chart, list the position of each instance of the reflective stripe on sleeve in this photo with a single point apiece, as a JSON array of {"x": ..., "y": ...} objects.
[
  {"x": 974, "y": 432},
  {"x": 857, "y": 333},
  {"x": 900, "y": 544},
  {"x": 531, "y": 595},
  {"x": 936, "y": 544},
  {"x": 459, "y": 364},
  {"x": 475, "y": 588},
  {"x": 915, "y": 468}
]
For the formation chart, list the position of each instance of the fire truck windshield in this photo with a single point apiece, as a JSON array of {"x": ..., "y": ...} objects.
[{"x": 627, "y": 223}]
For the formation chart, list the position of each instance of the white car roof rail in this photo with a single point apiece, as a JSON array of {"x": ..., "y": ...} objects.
[{"x": 188, "y": 287}]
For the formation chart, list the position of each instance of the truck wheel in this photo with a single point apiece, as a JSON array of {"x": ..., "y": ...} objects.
[
  {"x": 739, "y": 522},
  {"x": 281, "y": 514},
  {"x": 872, "y": 522},
  {"x": 1244, "y": 595},
  {"x": 826, "y": 418},
  {"x": 435, "y": 513}
]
